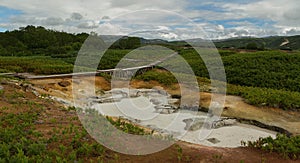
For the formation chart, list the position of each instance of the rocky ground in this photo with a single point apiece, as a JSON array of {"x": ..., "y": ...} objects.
[{"x": 16, "y": 97}]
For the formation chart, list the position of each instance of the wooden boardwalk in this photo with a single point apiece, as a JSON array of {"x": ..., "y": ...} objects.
[{"x": 126, "y": 72}]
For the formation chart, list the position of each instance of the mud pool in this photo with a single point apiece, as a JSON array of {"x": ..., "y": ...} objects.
[{"x": 156, "y": 109}]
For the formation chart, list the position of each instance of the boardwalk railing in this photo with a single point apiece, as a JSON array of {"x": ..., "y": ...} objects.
[{"x": 119, "y": 72}]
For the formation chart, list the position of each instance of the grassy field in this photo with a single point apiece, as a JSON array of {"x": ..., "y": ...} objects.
[
  {"x": 40, "y": 130},
  {"x": 37, "y": 65}
]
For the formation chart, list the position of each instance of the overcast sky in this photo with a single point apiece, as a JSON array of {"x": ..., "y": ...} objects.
[{"x": 167, "y": 19}]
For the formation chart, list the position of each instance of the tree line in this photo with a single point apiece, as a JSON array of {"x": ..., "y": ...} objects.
[{"x": 33, "y": 41}]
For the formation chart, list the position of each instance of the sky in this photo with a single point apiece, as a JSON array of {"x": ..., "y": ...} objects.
[{"x": 163, "y": 19}]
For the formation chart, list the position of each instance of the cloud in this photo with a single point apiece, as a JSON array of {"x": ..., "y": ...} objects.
[
  {"x": 23, "y": 20},
  {"x": 76, "y": 16},
  {"x": 293, "y": 31},
  {"x": 169, "y": 36},
  {"x": 282, "y": 12},
  {"x": 173, "y": 5},
  {"x": 163, "y": 28},
  {"x": 259, "y": 18},
  {"x": 52, "y": 21},
  {"x": 221, "y": 27},
  {"x": 105, "y": 18},
  {"x": 218, "y": 18},
  {"x": 88, "y": 25}
]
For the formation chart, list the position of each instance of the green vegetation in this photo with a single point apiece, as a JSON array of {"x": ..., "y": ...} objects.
[
  {"x": 21, "y": 141},
  {"x": 179, "y": 152},
  {"x": 126, "y": 126},
  {"x": 163, "y": 77},
  {"x": 267, "y": 97},
  {"x": 288, "y": 147},
  {"x": 111, "y": 58},
  {"x": 272, "y": 69},
  {"x": 267, "y": 69},
  {"x": 217, "y": 158},
  {"x": 273, "y": 42},
  {"x": 252, "y": 46},
  {"x": 37, "y": 65},
  {"x": 49, "y": 65},
  {"x": 127, "y": 43},
  {"x": 33, "y": 40},
  {"x": 29, "y": 134}
]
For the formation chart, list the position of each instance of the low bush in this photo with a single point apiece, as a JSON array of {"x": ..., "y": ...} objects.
[
  {"x": 165, "y": 78},
  {"x": 286, "y": 100},
  {"x": 288, "y": 147},
  {"x": 37, "y": 65}
]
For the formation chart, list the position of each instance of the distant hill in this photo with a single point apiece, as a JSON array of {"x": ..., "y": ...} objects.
[{"x": 273, "y": 42}]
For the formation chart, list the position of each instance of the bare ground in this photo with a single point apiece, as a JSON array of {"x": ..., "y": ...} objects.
[
  {"x": 54, "y": 116},
  {"x": 234, "y": 106}
]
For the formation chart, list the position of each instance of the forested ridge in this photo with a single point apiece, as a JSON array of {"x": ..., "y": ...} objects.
[{"x": 33, "y": 40}]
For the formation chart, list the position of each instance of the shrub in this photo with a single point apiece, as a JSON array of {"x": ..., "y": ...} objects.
[
  {"x": 267, "y": 97},
  {"x": 165, "y": 78},
  {"x": 288, "y": 147}
]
